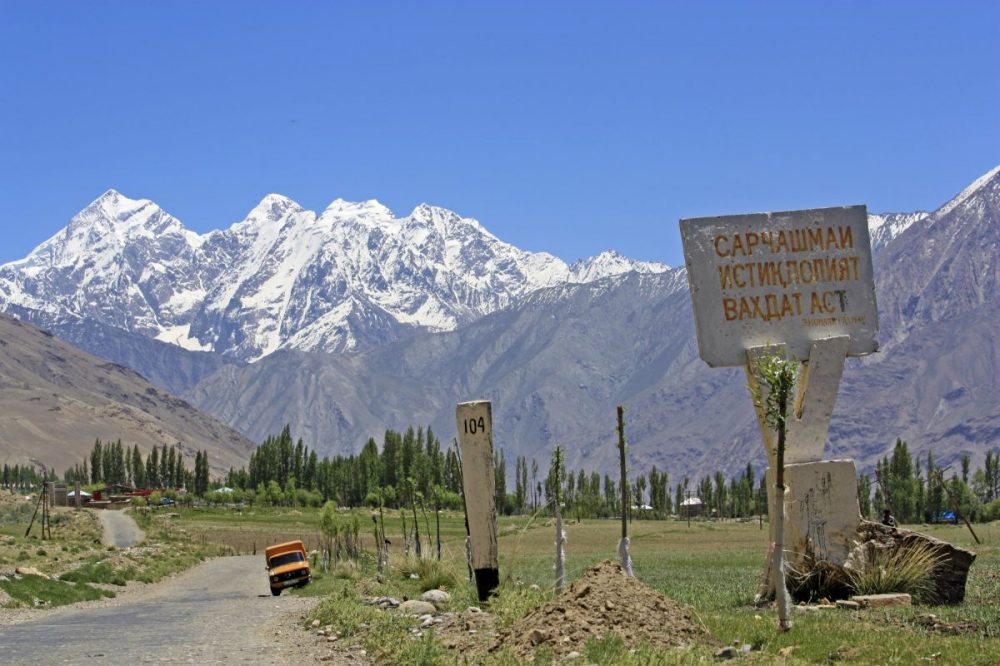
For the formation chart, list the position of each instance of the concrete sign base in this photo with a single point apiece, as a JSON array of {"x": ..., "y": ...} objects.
[{"x": 821, "y": 513}]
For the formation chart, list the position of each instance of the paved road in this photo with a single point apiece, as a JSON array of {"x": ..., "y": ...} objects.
[
  {"x": 220, "y": 612},
  {"x": 119, "y": 529}
]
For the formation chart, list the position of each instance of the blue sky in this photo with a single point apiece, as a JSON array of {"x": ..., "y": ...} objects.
[{"x": 570, "y": 127}]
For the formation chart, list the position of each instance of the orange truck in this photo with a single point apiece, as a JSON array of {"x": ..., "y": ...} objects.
[{"x": 287, "y": 566}]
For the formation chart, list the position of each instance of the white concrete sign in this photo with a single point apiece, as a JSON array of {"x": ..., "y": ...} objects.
[
  {"x": 780, "y": 278},
  {"x": 475, "y": 440}
]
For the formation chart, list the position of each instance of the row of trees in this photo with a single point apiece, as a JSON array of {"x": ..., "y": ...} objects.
[
  {"x": 21, "y": 478},
  {"x": 412, "y": 468},
  {"x": 111, "y": 463},
  {"x": 922, "y": 491},
  {"x": 409, "y": 464}
]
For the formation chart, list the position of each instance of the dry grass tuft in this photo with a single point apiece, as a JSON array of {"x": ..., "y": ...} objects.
[{"x": 875, "y": 568}]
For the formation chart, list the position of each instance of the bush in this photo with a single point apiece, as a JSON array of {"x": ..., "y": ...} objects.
[
  {"x": 816, "y": 579},
  {"x": 990, "y": 511}
]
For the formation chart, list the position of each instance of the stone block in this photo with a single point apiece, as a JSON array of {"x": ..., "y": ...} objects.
[{"x": 882, "y": 600}]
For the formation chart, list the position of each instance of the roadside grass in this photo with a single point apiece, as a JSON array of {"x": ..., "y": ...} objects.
[
  {"x": 77, "y": 561},
  {"x": 96, "y": 570},
  {"x": 713, "y": 567},
  {"x": 36, "y": 591}
]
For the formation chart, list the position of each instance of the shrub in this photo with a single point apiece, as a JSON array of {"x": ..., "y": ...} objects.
[{"x": 990, "y": 511}]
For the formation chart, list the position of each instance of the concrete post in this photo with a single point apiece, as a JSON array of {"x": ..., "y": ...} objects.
[{"x": 475, "y": 439}]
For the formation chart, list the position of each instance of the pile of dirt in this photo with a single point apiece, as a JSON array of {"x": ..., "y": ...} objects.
[{"x": 604, "y": 601}]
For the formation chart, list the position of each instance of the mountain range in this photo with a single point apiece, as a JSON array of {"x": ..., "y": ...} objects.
[
  {"x": 352, "y": 277},
  {"x": 352, "y": 321}
]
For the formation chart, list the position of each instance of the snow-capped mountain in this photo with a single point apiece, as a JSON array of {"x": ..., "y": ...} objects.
[
  {"x": 555, "y": 361},
  {"x": 883, "y": 227},
  {"x": 558, "y": 362},
  {"x": 353, "y": 276}
]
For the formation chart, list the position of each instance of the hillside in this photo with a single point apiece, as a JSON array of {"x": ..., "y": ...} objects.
[{"x": 55, "y": 400}]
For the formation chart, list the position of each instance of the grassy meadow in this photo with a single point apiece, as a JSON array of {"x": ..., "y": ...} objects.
[{"x": 712, "y": 566}]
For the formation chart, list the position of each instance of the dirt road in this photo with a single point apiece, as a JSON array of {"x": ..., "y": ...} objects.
[
  {"x": 220, "y": 612},
  {"x": 119, "y": 529}
]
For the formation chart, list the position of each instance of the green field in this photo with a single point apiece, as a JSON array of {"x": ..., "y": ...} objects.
[{"x": 712, "y": 566}]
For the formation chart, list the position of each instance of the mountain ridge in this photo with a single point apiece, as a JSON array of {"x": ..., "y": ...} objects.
[{"x": 351, "y": 276}]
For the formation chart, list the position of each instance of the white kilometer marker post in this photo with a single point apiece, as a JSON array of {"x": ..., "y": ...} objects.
[{"x": 475, "y": 439}]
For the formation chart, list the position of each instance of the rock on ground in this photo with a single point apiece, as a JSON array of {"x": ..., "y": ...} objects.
[
  {"x": 439, "y": 598},
  {"x": 417, "y": 607},
  {"x": 949, "y": 577}
]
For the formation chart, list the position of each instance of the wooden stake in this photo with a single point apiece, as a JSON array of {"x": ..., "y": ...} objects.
[
  {"x": 958, "y": 510},
  {"x": 623, "y": 544},
  {"x": 624, "y": 471},
  {"x": 37, "y": 505}
]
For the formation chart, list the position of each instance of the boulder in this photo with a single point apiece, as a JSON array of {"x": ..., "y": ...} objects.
[
  {"x": 949, "y": 577},
  {"x": 439, "y": 598},
  {"x": 417, "y": 607}
]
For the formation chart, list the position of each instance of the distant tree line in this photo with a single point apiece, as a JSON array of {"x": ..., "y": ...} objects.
[
  {"x": 410, "y": 466},
  {"x": 412, "y": 469},
  {"x": 22, "y": 478},
  {"x": 111, "y": 463},
  {"x": 922, "y": 491}
]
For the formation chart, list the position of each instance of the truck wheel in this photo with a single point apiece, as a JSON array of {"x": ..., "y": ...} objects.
[{"x": 275, "y": 591}]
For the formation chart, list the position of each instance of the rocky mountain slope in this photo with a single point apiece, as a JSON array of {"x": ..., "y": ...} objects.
[
  {"x": 557, "y": 362},
  {"x": 55, "y": 400},
  {"x": 351, "y": 277}
]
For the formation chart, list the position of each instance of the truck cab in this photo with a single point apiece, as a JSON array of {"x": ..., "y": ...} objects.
[{"x": 287, "y": 566}]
